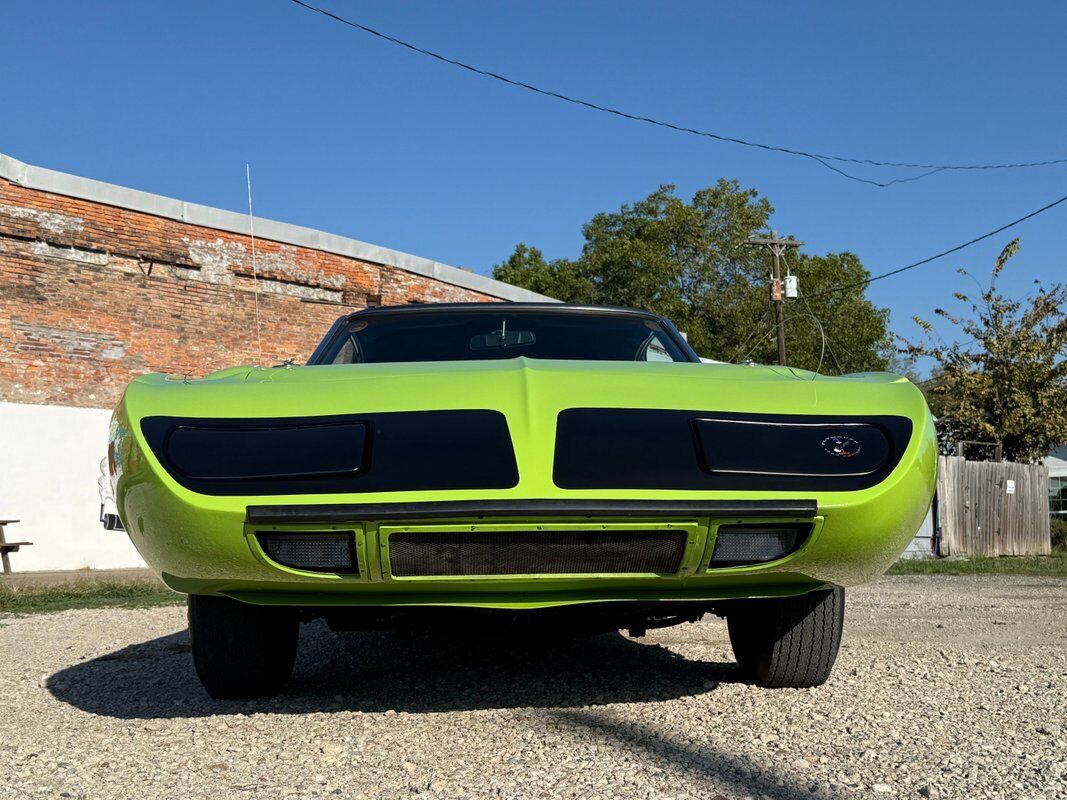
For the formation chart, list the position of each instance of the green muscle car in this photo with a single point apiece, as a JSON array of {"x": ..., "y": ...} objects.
[{"x": 497, "y": 464}]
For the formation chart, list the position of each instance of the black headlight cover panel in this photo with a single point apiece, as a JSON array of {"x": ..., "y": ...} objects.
[
  {"x": 266, "y": 452},
  {"x": 757, "y": 447},
  {"x": 378, "y": 452},
  {"x": 626, "y": 448}
]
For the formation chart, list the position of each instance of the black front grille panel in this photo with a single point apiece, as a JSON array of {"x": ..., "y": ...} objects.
[
  {"x": 435, "y": 553},
  {"x": 382, "y": 452},
  {"x": 639, "y": 448}
]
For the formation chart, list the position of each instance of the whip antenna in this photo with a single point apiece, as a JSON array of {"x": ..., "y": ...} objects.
[{"x": 255, "y": 272}]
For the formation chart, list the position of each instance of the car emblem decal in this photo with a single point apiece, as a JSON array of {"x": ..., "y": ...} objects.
[{"x": 841, "y": 446}]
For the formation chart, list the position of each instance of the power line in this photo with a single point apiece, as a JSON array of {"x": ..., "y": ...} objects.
[
  {"x": 826, "y": 336},
  {"x": 879, "y": 184},
  {"x": 942, "y": 254},
  {"x": 829, "y": 341},
  {"x": 833, "y": 355},
  {"x": 759, "y": 342},
  {"x": 899, "y": 270},
  {"x": 752, "y": 332},
  {"x": 822, "y": 334},
  {"x": 817, "y": 157},
  {"x": 790, "y": 318}
]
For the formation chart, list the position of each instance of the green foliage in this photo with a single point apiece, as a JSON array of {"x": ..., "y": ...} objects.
[
  {"x": 85, "y": 594},
  {"x": 689, "y": 262},
  {"x": 857, "y": 330},
  {"x": 1058, "y": 532},
  {"x": 1004, "y": 378},
  {"x": 1054, "y": 566},
  {"x": 527, "y": 267}
]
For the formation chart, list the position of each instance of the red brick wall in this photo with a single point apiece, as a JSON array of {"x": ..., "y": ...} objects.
[{"x": 93, "y": 295}]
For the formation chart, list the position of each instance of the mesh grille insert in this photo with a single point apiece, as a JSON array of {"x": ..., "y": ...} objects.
[
  {"x": 315, "y": 552},
  {"x": 756, "y": 544},
  {"x": 417, "y": 554}
]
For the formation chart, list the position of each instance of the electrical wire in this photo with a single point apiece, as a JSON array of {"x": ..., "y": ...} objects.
[
  {"x": 751, "y": 333},
  {"x": 842, "y": 287},
  {"x": 785, "y": 319},
  {"x": 827, "y": 341},
  {"x": 759, "y": 341},
  {"x": 822, "y": 334},
  {"x": 833, "y": 355},
  {"x": 820, "y": 158}
]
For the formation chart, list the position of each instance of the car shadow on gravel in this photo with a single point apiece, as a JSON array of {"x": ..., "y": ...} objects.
[
  {"x": 744, "y": 775},
  {"x": 403, "y": 672}
]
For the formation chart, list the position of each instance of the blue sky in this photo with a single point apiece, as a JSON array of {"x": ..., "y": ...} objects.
[{"x": 358, "y": 137}]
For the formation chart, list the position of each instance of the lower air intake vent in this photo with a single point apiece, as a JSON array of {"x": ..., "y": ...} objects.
[
  {"x": 756, "y": 544},
  {"x": 415, "y": 554},
  {"x": 314, "y": 552}
]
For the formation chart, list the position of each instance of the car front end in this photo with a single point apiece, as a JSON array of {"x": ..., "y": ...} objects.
[
  {"x": 486, "y": 456},
  {"x": 520, "y": 484}
]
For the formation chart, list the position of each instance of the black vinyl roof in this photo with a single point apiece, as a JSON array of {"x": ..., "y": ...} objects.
[{"x": 497, "y": 307}]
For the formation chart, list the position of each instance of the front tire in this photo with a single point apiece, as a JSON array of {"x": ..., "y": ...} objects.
[
  {"x": 241, "y": 650},
  {"x": 790, "y": 641}
]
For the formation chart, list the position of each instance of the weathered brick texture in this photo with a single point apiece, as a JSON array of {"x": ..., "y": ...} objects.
[{"x": 93, "y": 295}]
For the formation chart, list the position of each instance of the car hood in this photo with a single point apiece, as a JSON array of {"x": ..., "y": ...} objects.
[{"x": 528, "y": 391}]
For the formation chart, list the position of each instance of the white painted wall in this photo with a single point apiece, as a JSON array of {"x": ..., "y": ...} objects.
[
  {"x": 920, "y": 546},
  {"x": 49, "y": 465}
]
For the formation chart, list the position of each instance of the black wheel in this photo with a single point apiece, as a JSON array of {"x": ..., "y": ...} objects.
[
  {"x": 241, "y": 650},
  {"x": 789, "y": 641}
]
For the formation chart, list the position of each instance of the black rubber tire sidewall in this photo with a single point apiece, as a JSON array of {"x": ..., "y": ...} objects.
[
  {"x": 789, "y": 641},
  {"x": 241, "y": 650}
]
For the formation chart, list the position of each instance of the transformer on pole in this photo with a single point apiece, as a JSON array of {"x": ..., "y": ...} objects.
[{"x": 779, "y": 291}]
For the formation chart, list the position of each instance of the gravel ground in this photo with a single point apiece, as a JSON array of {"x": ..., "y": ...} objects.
[{"x": 950, "y": 687}]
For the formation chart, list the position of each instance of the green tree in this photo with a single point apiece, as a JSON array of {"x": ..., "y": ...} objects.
[
  {"x": 527, "y": 267},
  {"x": 1004, "y": 377},
  {"x": 689, "y": 262},
  {"x": 857, "y": 331}
]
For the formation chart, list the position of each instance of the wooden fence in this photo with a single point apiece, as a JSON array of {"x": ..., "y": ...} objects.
[{"x": 992, "y": 508}]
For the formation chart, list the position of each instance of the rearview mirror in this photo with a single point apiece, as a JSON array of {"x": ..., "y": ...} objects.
[{"x": 502, "y": 338}]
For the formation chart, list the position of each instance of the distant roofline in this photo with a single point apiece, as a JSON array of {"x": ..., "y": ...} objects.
[{"x": 48, "y": 180}]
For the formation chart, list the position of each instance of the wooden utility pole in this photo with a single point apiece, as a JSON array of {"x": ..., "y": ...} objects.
[{"x": 777, "y": 247}]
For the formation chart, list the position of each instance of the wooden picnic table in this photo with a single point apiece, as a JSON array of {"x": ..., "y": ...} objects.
[{"x": 7, "y": 547}]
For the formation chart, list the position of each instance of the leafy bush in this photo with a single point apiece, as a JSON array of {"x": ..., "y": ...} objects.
[{"x": 1058, "y": 526}]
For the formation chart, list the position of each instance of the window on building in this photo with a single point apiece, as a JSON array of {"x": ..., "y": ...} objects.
[{"x": 1057, "y": 495}]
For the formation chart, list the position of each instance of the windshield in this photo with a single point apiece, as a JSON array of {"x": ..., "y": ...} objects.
[{"x": 483, "y": 335}]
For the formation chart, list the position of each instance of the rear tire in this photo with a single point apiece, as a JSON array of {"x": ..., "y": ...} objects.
[
  {"x": 241, "y": 650},
  {"x": 789, "y": 641}
]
